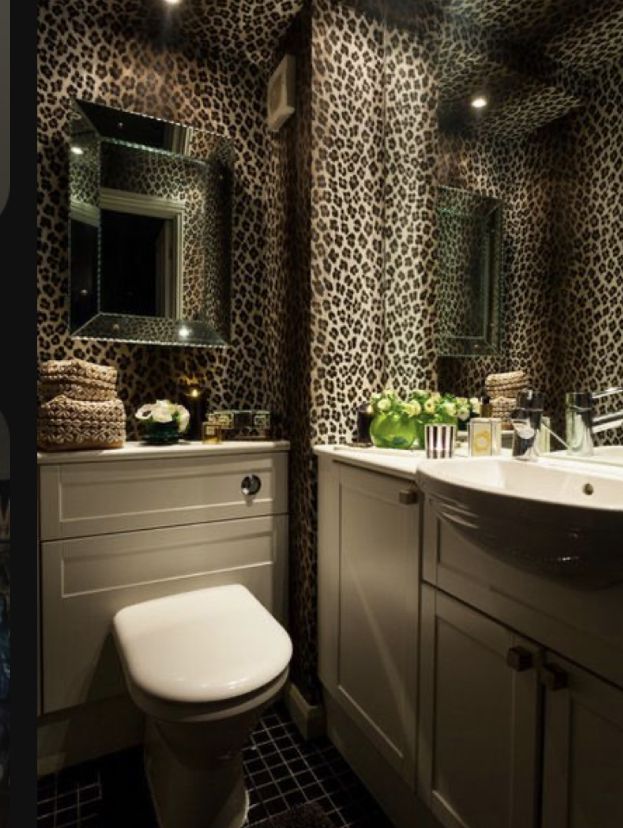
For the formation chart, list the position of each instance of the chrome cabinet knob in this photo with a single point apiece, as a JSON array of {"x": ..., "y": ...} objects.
[{"x": 250, "y": 486}]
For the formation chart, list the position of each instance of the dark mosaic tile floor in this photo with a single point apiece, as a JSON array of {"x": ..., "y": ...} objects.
[{"x": 282, "y": 772}]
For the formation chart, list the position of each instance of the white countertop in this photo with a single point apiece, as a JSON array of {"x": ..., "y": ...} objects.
[
  {"x": 399, "y": 462},
  {"x": 185, "y": 448}
]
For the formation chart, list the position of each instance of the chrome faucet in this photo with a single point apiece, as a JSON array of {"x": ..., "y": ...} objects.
[
  {"x": 582, "y": 423},
  {"x": 526, "y": 420}
]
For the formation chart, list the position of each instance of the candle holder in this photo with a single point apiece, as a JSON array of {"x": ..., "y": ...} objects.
[{"x": 195, "y": 396}]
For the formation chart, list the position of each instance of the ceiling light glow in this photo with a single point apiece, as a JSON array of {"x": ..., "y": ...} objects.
[
  {"x": 77, "y": 150},
  {"x": 479, "y": 101},
  {"x": 184, "y": 332}
]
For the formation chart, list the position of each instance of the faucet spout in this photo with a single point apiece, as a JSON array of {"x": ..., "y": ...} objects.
[
  {"x": 607, "y": 421},
  {"x": 582, "y": 424}
]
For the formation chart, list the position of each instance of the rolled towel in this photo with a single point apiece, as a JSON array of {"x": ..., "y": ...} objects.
[
  {"x": 77, "y": 379},
  {"x": 65, "y": 424}
]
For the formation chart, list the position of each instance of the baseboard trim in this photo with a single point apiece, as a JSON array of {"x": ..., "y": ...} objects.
[
  {"x": 79, "y": 734},
  {"x": 308, "y": 718}
]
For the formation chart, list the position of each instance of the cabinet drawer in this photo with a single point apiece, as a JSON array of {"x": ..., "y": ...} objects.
[
  {"x": 84, "y": 582},
  {"x": 584, "y": 625},
  {"x": 85, "y": 499}
]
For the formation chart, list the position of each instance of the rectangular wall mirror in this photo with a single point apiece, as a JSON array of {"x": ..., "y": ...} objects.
[
  {"x": 150, "y": 229},
  {"x": 469, "y": 297}
]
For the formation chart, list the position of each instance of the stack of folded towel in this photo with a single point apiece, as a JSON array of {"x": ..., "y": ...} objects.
[
  {"x": 79, "y": 406},
  {"x": 502, "y": 390}
]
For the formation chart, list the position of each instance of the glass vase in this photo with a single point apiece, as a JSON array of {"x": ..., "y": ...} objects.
[
  {"x": 396, "y": 431},
  {"x": 161, "y": 434}
]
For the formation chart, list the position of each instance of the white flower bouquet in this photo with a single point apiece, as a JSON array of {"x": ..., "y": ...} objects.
[{"x": 163, "y": 421}]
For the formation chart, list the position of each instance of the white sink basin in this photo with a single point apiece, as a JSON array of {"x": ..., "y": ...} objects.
[
  {"x": 606, "y": 455},
  {"x": 559, "y": 520}
]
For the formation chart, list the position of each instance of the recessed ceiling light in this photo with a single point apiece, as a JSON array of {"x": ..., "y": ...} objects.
[
  {"x": 77, "y": 150},
  {"x": 172, "y": 2},
  {"x": 479, "y": 101}
]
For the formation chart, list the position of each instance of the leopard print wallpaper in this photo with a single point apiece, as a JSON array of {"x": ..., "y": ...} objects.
[
  {"x": 347, "y": 173},
  {"x": 588, "y": 251},
  {"x": 88, "y": 49},
  {"x": 205, "y": 276},
  {"x": 411, "y": 145},
  {"x": 335, "y": 236},
  {"x": 518, "y": 173},
  {"x": 555, "y": 169}
]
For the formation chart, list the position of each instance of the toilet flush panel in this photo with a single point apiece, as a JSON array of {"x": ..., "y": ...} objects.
[
  {"x": 95, "y": 498},
  {"x": 85, "y": 581},
  {"x": 119, "y": 530}
]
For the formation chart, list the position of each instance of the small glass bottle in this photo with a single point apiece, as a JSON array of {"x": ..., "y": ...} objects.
[{"x": 485, "y": 436}]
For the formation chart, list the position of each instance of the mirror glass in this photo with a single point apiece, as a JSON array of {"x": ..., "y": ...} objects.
[
  {"x": 470, "y": 273},
  {"x": 150, "y": 229}
]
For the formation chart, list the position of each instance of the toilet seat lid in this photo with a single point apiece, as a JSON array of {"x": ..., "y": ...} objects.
[{"x": 208, "y": 645}]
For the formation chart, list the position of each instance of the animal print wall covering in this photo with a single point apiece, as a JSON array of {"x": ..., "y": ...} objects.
[
  {"x": 88, "y": 50},
  {"x": 335, "y": 236},
  {"x": 294, "y": 156},
  {"x": 515, "y": 173},
  {"x": 347, "y": 175},
  {"x": 411, "y": 145},
  {"x": 587, "y": 254},
  {"x": 559, "y": 185},
  {"x": 196, "y": 184}
]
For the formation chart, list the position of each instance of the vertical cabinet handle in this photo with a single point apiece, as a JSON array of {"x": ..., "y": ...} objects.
[
  {"x": 520, "y": 659},
  {"x": 408, "y": 497},
  {"x": 554, "y": 677}
]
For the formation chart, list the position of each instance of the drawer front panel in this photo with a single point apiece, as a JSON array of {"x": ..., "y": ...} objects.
[
  {"x": 85, "y": 582},
  {"x": 584, "y": 625},
  {"x": 84, "y": 499}
]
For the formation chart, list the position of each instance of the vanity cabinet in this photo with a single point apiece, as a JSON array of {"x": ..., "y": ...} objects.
[
  {"x": 583, "y": 750},
  {"x": 368, "y": 571},
  {"x": 479, "y": 714},
  {"x": 495, "y": 743},
  {"x": 123, "y": 526},
  {"x": 464, "y": 691}
]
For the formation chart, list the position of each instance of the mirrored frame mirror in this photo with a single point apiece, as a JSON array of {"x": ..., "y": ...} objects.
[
  {"x": 150, "y": 229},
  {"x": 470, "y": 289}
]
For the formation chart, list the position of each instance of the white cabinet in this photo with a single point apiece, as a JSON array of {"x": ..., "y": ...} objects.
[
  {"x": 490, "y": 702},
  {"x": 368, "y": 594},
  {"x": 440, "y": 668},
  {"x": 479, "y": 715},
  {"x": 120, "y": 528},
  {"x": 123, "y": 495},
  {"x": 85, "y": 581},
  {"x": 583, "y": 749}
]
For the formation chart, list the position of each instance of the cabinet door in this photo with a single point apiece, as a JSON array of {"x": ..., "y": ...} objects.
[
  {"x": 478, "y": 718},
  {"x": 369, "y": 548},
  {"x": 86, "y": 499},
  {"x": 85, "y": 581},
  {"x": 583, "y": 757}
]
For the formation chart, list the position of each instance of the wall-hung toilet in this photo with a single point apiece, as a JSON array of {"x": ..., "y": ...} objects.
[{"x": 201, "y": 665}]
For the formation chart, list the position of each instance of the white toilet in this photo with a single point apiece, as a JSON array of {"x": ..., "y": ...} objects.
[{"x": 202, "y": 666}]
